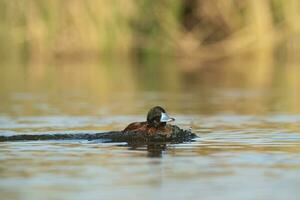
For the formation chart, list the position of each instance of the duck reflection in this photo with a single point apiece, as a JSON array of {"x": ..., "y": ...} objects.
[{"x": 154, "y": 149}]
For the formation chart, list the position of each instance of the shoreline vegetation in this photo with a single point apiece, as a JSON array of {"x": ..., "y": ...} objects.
[{"x": 199, "y": 29}]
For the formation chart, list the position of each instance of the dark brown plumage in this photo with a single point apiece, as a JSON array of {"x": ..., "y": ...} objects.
[{"x": 157, "y": 119}]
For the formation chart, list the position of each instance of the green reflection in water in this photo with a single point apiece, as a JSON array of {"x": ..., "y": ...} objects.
[{"x": 256, "y": 85}]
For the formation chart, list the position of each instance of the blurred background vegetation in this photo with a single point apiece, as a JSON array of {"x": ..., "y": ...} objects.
[
  {"x": 102, "y": 48},
  {"x": 43, "y": 29}
]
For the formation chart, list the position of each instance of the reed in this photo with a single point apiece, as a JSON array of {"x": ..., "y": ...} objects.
[{"x": 37, "y": 29}]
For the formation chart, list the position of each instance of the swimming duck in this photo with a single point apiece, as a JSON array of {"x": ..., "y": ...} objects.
[
  {"x": 157, "y": 119},
  {"x": 155, "y": 129}
]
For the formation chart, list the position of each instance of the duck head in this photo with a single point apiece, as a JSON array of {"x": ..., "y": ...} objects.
[{"x": 157, "y": 116}]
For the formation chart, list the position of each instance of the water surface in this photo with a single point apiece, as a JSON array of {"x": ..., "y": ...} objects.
[{"x": 247, "y": 119}]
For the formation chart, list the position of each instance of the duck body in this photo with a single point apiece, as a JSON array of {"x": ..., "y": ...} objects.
[
  {"x": 146, "y": 129},
  {"x": 156, "y": 123},
  {"x": 170, "y": 133}
]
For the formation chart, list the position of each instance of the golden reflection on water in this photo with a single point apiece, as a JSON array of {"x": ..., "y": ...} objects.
[{"x": 251, "y": 85}]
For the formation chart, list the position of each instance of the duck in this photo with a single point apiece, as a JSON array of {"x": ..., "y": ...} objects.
[{"x": 156, "y": 123}]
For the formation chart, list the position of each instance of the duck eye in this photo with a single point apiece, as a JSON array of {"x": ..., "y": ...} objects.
[{"x": 156, "y": 119}]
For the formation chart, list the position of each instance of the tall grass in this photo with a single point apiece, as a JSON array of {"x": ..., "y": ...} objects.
[
  {"x": 39, "y": 29},
  {"x": 231, "y": 27}
]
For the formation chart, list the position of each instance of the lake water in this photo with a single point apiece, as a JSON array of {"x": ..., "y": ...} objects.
[{"x": 246, "y": 114}]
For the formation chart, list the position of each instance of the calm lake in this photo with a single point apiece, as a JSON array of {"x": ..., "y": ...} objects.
[{"x": 246, "y": 113}]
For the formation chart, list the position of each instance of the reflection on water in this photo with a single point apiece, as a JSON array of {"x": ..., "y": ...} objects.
[{"x": 247, "y": 118}]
